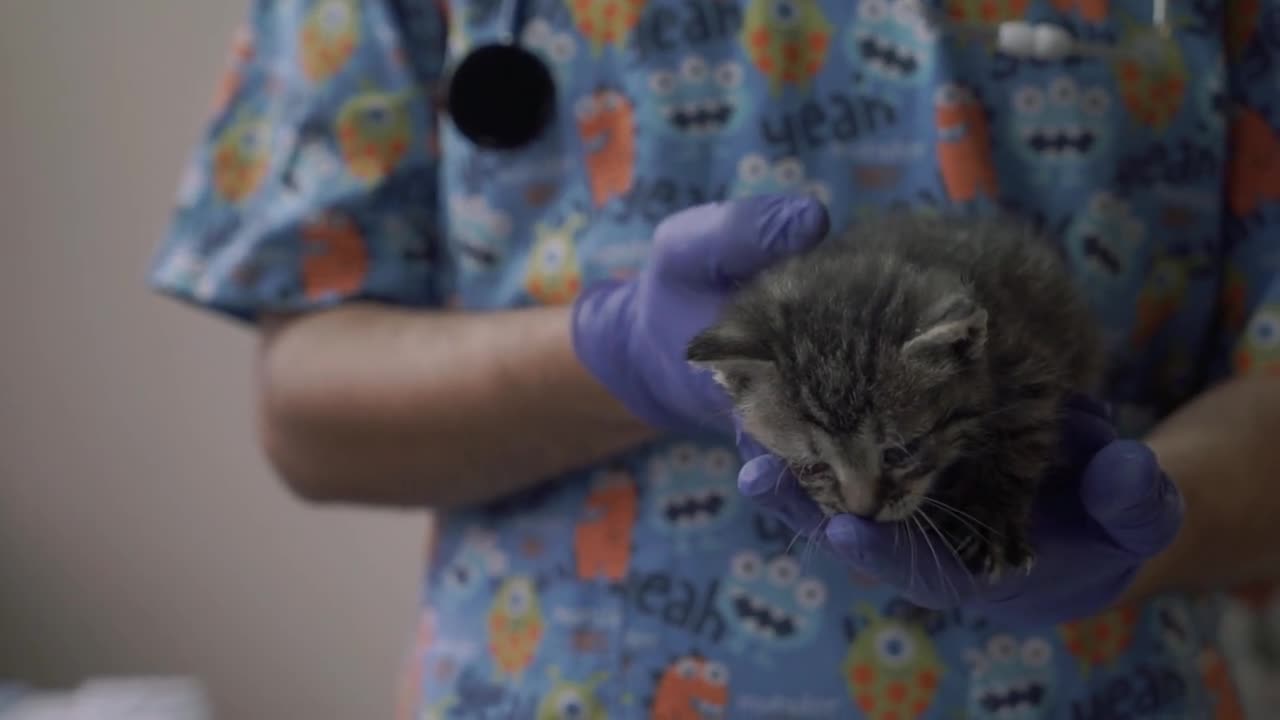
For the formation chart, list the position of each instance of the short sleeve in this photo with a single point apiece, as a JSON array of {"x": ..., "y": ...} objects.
[{"x": 315, "y": 181}]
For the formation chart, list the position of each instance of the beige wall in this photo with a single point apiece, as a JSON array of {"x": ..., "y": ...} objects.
[{"x": 139, "y": 530}]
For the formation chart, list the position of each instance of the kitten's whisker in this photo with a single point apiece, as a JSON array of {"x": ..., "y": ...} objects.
[
  {"x": 911, "y": 579},
  {"x": 962, "y": 515},
  {"x": 937, "y": 562},
  {"x": 954, "y": 553}
]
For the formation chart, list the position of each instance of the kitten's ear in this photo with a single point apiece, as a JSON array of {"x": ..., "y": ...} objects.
[
  {"x": 736, "y": 358},
  {"x": 956, "y": 330}
]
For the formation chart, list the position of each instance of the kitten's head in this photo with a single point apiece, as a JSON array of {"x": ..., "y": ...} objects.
[{"x": 869, "y": 396}]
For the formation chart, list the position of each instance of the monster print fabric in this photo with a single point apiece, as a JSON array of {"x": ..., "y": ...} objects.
[{"x": 648, "y": 588}]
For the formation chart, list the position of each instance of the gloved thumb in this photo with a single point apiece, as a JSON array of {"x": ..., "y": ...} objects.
[
  {"x": 1133, "y": 500},
  {"x": 724, "y": 244}
]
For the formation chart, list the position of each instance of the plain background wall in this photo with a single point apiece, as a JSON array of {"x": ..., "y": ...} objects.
[{"x": 139, "y": 530}]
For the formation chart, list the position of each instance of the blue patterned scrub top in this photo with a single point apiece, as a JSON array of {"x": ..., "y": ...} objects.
[{"x": 646, "y": 587}]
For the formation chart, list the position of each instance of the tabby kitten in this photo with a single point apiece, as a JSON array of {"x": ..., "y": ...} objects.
[{"x": 914, "y": 364}]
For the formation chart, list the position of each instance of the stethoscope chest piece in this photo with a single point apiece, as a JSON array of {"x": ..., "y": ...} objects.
[{"x": 501, "y": 96}]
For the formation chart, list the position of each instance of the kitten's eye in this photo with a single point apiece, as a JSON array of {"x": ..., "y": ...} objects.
[{"x": 898, "y": 456}]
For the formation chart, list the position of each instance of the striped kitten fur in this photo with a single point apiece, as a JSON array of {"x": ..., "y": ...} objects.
[{"x": 914, "y": 356}]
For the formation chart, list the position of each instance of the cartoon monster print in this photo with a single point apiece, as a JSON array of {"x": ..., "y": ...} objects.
[
  {"x": 1254, "y": 175},
  {"x": 374, "y": 130},
  {"x": 1162, "y": 294},
  {"x": 697, "y": 101},
  {"x": 515, "y": 625},
  {"x": 691, "y": 688},
  {"x": 986, "y": 11},
  {"x": 572, "y": 700},
  {"x": 335, "y": 257},
  {"x": 1010, "y": 680},
  {"x": 559, "y": 49},
  {"x": 892, "y": 667},
  {"x": 1216, "y": 675},
  {"x": 1103, "y": 243},
  {"x": 1172, "y": 624},
  {"x": 554, "y": 276},
  {"x": 607, "y": 127},
  {"x": 241, "y": 157},
  {"x": 770, "y": 606},
  {"x": 756, "y": 177},
  {"x": 893, "y": 41},
  {"x": 1094, "y": 11},
  {"x": 692, "y": 494},
  {"x": 1100, "y": 639},
  {"x": 787, "y": 40},
  {"x": 1242, "y": 22},
  {"x": 602, "y": 538},
  {"x": 1258, "y": 352},
  {"x": 330, "y": 34},
  {"x": 605, "y": 22},
  {"x": 1059, "y": 129},
  {"x": 964, "y": 145},
  {"x": 1153, "y": 78},
  {"x": 476, "y": 564},
  {"x": 481, "y": 233}
]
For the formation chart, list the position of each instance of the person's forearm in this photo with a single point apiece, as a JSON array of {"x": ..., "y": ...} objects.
[
  {"x": 373, "y": 404},
  {"x": 1222, "y": 450}
]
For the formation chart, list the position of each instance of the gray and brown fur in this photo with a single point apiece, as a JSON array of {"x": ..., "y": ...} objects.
[{"x": 908, "y": 346}]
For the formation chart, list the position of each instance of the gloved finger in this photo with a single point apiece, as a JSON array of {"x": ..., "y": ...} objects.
[
  {"x": 1085, "y": 431},
  {"x": 723, "y": 244},
  {"x": 768, "y": 482},
  {"x": 1133, "y": 500},
  {"x": 903, "y": 555}
]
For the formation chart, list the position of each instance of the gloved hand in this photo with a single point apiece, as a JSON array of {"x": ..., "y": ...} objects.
[
  {"x": 1094, "y": 524},
  {"x": 632, "y": 334}
]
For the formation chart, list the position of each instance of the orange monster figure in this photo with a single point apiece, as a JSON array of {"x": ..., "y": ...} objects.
[
  {"x": 1242, "y": 23},
  {"x": 241, "y": 158},
  {"x": 605, "y": 22},
  {"x": 690, "y": 689},
  {"x": 335, "y": 258},
  {"x": 1255, "y": 163},
  {"x": 1100, "y": 639},
  {"x": 606, "y": 124},
  {"x": 1094, "y": 11},
  {"x": 964, "y": 145},
  {"x": 1216, "y": 674},
  {"x": 329, "y": 37},
  {"x": 1163, "y": 294},
  {"x": 602, "y": 540}
]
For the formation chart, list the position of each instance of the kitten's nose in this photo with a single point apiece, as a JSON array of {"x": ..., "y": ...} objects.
[{"x": 857, "y": 491}]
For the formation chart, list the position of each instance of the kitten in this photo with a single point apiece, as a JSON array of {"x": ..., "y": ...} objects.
[{"x": 914, "y": 357}]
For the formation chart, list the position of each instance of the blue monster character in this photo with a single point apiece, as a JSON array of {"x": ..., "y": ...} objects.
[
  {"x": 770, "y": 606},
  {"x": 475, "y": 566},
  {"x": 756, "y": 176},
  {"x": 1059, "y": 129},
  {"x": 1010, "y": 680},
  {"x": 1104, "y": 243},
  {"x": 558, "y": 49},
  {"x": 692, "y": 494},
  {"x": 481, "y": 236},
  {"x": 696, "y": 101},
  {"x": 892, "y": 41}
]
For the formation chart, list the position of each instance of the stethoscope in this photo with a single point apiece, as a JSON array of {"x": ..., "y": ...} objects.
[{"x": 501, "y": 96}]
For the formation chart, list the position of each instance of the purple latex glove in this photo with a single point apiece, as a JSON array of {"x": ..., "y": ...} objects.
[
  {"x": 1096, "y": 522},
  {"x": 632, "y": 334}
]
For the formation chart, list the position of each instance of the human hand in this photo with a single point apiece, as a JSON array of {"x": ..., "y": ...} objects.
[
  {"x": 1095, "y": 522},
  {"x": 632, "y": 334}
]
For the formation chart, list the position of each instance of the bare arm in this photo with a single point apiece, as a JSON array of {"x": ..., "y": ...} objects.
[
  {"x": 1223, "y": 452},
  {"x": 381, "y": 405}
]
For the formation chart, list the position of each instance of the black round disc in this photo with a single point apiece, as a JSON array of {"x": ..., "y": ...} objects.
[{"x": 501, "y": 96}]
